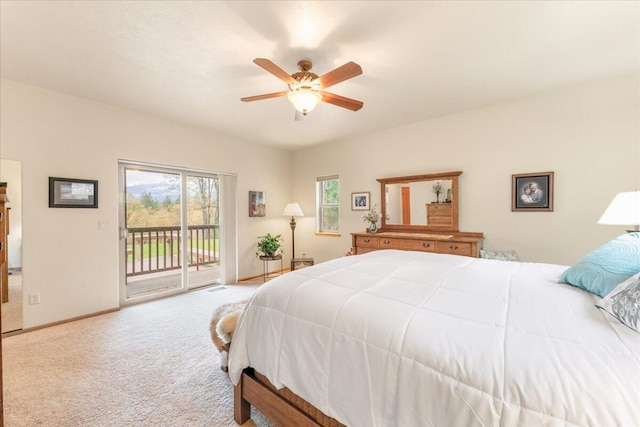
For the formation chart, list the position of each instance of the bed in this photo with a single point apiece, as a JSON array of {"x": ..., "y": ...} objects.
[{"x": 403, "y": 338}]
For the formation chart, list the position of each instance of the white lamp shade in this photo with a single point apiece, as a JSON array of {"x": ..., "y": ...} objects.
[
  {"x": 304, "y": 100},
  {"x": 292, "y": 209},
  {"x": 623, "y": 210}
]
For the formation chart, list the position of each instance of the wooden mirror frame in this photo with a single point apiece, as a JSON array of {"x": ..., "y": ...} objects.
[{"x": 453, "y": 176}]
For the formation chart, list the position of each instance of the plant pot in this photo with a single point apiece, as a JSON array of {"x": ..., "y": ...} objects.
[{"x": 270, "y": 257}]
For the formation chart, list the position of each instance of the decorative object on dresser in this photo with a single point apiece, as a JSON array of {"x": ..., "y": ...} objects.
[
  {"x": 372, "y": 219},
  {"x": 437, "y": 188},
  {"x": 413, "y": 219},
  {"x": 623, "y": 210},
  {"x": 532, "y": 192}
]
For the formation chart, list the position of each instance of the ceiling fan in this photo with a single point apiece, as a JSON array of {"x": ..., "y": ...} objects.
[{"x": 306, "y": 89}]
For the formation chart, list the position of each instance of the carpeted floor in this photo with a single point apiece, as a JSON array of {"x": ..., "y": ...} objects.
[
  {"x": 12, "y": 310},
  {"x": 151, "y": 364}
]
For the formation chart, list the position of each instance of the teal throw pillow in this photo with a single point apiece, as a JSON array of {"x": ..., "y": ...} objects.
[{"x": 606, "y": 267}]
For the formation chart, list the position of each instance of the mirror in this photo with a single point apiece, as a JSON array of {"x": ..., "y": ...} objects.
[
  {"x": 420, "y": 202},
  {"x": 11, "y": 173}
]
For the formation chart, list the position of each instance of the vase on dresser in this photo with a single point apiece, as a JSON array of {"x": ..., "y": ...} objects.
[{"x": 373, "y": 227}]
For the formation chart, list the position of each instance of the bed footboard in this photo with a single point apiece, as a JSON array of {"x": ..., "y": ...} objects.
[{"x": 280, "y": 406}]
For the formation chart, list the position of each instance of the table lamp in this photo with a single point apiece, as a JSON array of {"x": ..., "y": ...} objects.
[
  {"x": 623, "y": 210},
  {"x": 293, "y": 210}
]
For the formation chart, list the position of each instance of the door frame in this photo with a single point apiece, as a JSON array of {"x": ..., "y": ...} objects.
[{"x": 225, "y": 198}]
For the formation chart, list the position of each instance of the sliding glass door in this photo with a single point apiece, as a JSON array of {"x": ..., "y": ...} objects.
[
  {"x": 169, "y": 231},
  {"x": 203, "y": 227}
]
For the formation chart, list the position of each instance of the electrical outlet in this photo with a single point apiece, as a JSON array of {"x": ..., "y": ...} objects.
[{"x": 34, "y": 299}]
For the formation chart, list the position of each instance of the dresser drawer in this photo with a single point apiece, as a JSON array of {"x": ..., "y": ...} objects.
[
  {"x": 439, "y": 220},
  {"x": 455, "y": 248},
  {"x": 367, "y": 241},
  {"x": 408, "y": 244},
  {"x": 443, "y": 209}
]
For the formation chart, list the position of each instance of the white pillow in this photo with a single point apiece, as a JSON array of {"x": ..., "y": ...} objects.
[
  {"x": 623, "y": 302},
  {"x": 502, "y": 256}
]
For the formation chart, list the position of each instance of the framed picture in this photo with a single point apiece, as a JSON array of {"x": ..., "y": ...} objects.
[
  {"x": 532, "y": 192},
  {"x": 360, "y": 201},
  {"x": 73, "y": 193},
  {"x": 257, "y": 203}
]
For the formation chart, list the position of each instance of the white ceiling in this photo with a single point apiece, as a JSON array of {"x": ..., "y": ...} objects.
[{"x": 191, "y": 61}]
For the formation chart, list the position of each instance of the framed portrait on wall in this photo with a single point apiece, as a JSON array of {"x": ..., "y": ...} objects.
[
  {"x": 257, "y": 203},
  {"x": 532, "y": 192},
  {"x": 360, "y": 201}
]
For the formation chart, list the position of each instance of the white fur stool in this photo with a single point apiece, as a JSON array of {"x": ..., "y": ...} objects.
[{"x": 223, "y": 324}]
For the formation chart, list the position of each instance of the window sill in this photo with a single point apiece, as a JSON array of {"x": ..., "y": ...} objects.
[{"x": 327, "y": 234}]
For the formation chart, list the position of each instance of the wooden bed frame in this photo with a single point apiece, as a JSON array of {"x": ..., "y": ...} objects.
[{"x": 281, "y": 406}]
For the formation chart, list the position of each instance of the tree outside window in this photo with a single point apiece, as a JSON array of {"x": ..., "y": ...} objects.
[{"x": 328, "y": 204}]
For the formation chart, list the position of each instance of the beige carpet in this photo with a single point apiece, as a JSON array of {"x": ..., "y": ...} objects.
[
  {"x": 151, "y": 364},
  {"x": 12, "y": 310}
]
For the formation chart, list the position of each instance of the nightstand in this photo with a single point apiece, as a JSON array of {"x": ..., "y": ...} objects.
[{"x": 298, "y": 263}]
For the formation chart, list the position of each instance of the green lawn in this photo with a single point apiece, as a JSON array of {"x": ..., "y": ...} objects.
[{"x": 151, "y": 250}]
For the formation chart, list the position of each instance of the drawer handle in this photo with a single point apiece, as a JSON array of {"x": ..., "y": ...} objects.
[
  {"x": 426, "y": 245},
  {"x": 366, "y": 240},
  {"x": 454, "y": 247},
  {"x": 386, "y": 242}
]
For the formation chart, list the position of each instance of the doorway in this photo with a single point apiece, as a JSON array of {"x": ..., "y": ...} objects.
[
  {"x": 12, "y": 309},
  {"x": 170, "y": 231}
]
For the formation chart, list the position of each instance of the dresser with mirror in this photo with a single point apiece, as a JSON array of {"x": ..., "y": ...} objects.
[{"x": 420, "y": 213}]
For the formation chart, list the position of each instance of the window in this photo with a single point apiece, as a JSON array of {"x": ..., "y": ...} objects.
[{"x": 328, "y": 203}]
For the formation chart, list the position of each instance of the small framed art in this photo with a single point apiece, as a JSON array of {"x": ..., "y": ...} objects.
[
  {"x": 360, "y": 201},
  {"x": 73, "y": 193},
  {"x": 532, "y": 192},
  {"x": 257, "y": 203}
]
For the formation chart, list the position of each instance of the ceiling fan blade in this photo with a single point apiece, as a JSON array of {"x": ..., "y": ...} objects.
[
  {"x": 340, "y": 74},
  {"x": 265, "y": 96},
  {"x": 341, "y": 101},
  {"x": 275, "y": 70}
]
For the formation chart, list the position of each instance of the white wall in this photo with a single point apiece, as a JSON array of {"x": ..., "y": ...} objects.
[
  {"x": 72, "y": 264},
  {"x": 589, "y": 136}
]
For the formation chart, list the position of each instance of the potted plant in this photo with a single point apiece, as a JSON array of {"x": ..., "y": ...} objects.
[{"x": 269, "y": 245}]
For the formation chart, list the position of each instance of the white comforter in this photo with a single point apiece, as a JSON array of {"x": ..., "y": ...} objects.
[{"x": 399, "y": 338}]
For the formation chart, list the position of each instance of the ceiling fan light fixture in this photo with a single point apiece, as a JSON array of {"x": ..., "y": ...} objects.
[{"x": 304, "y": 99}]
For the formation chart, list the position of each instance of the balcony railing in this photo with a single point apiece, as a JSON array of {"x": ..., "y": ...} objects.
[{"x": 156, "y": 249}]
